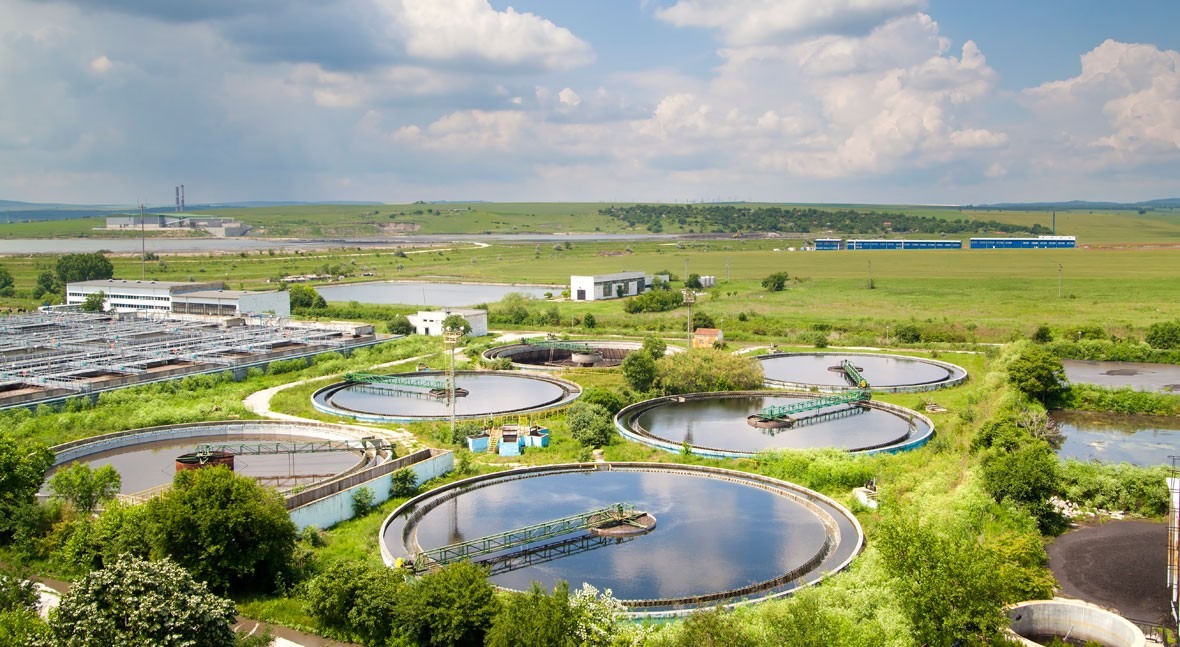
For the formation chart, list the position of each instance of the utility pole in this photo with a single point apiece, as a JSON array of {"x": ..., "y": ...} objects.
[
  {"x": 689, "y": 298},
  {"x": 451, "y": 338},
  {"x": 1059, "y": 292},
  {"x": 142, "y": 242},
  {"x": 870, "y": 283}
]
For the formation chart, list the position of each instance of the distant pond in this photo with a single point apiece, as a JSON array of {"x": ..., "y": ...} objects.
[
  {"x": 1118, "y": 438},
  {"x": 1163, "y": 378},
  {"x": 423, "y": 293}
]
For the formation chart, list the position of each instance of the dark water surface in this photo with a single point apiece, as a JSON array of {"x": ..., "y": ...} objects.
[
  {"x": 711, "y": 535},
  {"x": 1164, "y": 378},
  {"x": 487, "y": 394},
  {"x": 148, "y": 465},
  {"x": 877, "y": 370},
  {"x": 1118, "y": 438},
  {"x": 720, "y": 423}
]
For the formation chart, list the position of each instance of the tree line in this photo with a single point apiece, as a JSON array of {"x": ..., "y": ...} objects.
[{"x": 733, "y": 218}]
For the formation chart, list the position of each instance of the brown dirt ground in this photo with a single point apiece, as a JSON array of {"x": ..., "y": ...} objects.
[{"x": 1119, "y": 565}]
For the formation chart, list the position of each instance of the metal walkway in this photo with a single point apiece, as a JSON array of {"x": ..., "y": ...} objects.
[
  {"x": 294, "y": 447},
  {"x": 397, "y": 380},
  {"x": 610, "y": 515},
  {"x": 861, "y": 394},
  {"x": 574, "y": 347}
]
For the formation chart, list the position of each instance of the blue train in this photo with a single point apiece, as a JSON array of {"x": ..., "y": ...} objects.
[{"x": 1040, "y": 242}]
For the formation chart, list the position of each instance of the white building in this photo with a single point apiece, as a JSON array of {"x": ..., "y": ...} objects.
[
  {"x": 122, "y": 295},
  {"x": 609, "y": 286},
  {"x": 429, "y": 322}
]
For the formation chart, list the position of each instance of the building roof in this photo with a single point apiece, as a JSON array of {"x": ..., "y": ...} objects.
[
  {"x": 707, "y": 332},
  {"x": 455, "y": 311},
  {"x": 119, "y": 283},
  {"x": 617, "y": 276},
  {"x": 222, "y": 294}
]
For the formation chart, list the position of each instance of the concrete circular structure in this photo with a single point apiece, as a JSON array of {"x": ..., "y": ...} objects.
[
  {"x": 724, "y": 537},
  {"x": 573, "y": 353},
  {"x": 483, "y": 394},
  {"x": 726, "y": 425},
  {"x": 886, "y": 373},
  {"x": 1038, "y": 621},
  {"x": 146, "y": 458}
]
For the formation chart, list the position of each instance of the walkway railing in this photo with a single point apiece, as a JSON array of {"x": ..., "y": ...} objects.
[
  {"x": 397, "y": 380},
  {"x": 518, "y": 537}
]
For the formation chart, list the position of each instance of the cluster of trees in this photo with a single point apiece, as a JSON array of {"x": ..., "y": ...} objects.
[
  {"x": 305, "y": 299},
  {"x": 695, "y": 371},
  {"x": 517, "y": 309},
  {"x": 733, "y": 218},
  {"x": 72, "y": 268},
  {"x": 775, "y": 282},
  {"x": 654, "y": 301},
  {"x": 456, "y": 605}
]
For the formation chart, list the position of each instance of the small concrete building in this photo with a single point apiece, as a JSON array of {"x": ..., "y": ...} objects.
[
  {"x": 120, "y": 295},
  {"x": 230, "y": 303},
  {"x": 609, "y": 286},
  {"x": 429, "y": 322},
  {"x": 707, "y": 338}
]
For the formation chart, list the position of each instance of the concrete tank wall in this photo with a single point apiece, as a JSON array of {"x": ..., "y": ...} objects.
[
  {"x": 1074, "y": 618},
  {"x": 330, "y": 509}
]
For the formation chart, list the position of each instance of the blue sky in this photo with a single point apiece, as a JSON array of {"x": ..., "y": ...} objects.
[{"x": 887, "y": 101}]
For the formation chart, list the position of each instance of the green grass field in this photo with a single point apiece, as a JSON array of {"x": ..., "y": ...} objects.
[{"x": 332, "y": 221}]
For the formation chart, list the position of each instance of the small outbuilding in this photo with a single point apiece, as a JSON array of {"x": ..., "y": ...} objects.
[
  {"x": 707, "y": 338},
  {"x": 429, "y": 322}
]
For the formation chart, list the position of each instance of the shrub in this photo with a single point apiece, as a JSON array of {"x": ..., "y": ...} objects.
[
  {"x": 1164, "y": 334},
  {"x": 775, "y": 282},
  {"x": 590, "y": 424}
]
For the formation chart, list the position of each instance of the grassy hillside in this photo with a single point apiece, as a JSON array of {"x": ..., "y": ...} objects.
[{"x": 338, "y": 221}]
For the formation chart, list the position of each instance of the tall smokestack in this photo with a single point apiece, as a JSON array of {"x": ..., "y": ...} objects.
[
  {"x": 177, "y": 206},
  {"x": 1054, "y": 222},
  {"x": 182, "y": 198}
]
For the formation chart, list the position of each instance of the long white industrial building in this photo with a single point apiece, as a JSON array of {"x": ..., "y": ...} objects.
[{"x": 121, "y": 295}]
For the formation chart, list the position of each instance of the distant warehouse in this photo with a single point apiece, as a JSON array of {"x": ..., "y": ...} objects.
[
  {"x": 1040, "y": 242},
  {"x": 901, "y": 243}
]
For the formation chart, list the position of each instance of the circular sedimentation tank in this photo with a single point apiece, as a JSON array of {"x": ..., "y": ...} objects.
[
  {"x": 147, "y": 458},
  {"x": 888, "y": 373},
  {"x": 481, "y": 394},
  {"x": 1040, "y": 622},
  {"x": 562, "y": 354},
  {"x": 722, "y": 537},
  {"x": 729, "y": 425}
]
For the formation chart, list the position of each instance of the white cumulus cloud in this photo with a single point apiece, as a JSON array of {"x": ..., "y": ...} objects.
[
  {"x": 751, "y": 22},
  {"x": 472, "y": 30}
]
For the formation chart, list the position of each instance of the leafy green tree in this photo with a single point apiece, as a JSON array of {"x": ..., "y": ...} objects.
[
  {"x": 702, "y": 320},
  {"x": 47, "y": 283},
  {"x": 693, "y": 282},
  {"x": 654, "y": 346},
  {"x": 1038, "y": 374},
  {"x": 534, "y": 618},
  {"x": 304, "y": 297},
  {"x": 590, "y": 424},
  {"x": 589, "y": 321},
  {"x": 72, "y": 268},
  {"x": 945, "y": 580},
  {"x": 404, "y": 483},
  {"x": 94, "y": 302},
  {"x": 22, "y": 471},
  {"x": 7, "y": 283},
  {"x": 456, "y": 322},
  {"x": 447, "y": 608},
  {"x": 608, "y": 399},
  {"x": 399, "y": 324},
  {"x": 19, "y": 622},
  {"x": 226, "y": 529},
  {"x": 707, "y": 369},
  {"x": 1042, "y": 335},
  {"x": 1026, "y": 476},
  {"x": 84, "y": 487},
  {"x": 356, "y": 602},
  {"x": 363, "y": 501},
  {"x": 138, "y": 602},
  {"x": 639, "y": 371},
  {"x": 775, "y": 282},
  {"x": 1163, "y": 334},
  {"x": 121, "y": 529}
]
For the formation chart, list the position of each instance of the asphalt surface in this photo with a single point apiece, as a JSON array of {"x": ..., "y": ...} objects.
[{"x": 1120, "y": 565}]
